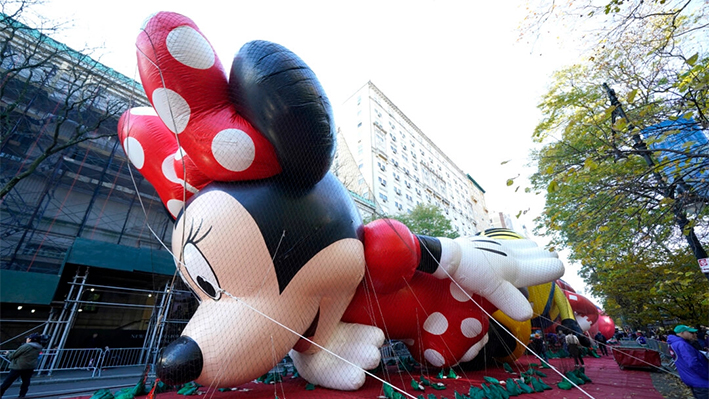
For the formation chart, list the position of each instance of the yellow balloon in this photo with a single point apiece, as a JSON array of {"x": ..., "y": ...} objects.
[{"x": 519, "y": 329}]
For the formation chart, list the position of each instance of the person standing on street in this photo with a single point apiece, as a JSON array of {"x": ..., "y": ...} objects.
[
  {"x": 601, "y": 343},
  {"x": 572, "y": 341},
  {"x": 691, "y": 364},
  {"x": 23, "y": 363}
]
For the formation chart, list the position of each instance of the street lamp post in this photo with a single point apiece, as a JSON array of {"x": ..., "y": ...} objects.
[{"x": 667, "y": 190}]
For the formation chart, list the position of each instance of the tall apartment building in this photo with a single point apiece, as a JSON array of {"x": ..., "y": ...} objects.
[{"x": 403, "y": 167}]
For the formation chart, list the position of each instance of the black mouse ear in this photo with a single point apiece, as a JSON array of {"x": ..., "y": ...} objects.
[{"x": 279, "y": 94}]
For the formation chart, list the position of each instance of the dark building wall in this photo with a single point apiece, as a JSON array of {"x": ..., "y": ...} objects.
[{"x": 81, "y": 207}]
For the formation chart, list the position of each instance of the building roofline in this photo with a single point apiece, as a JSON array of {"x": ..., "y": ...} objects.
[
  {"x": 362, "y": 199},
  {"x": 474, "y": 182},
  {"x": 83, "y": 58}
]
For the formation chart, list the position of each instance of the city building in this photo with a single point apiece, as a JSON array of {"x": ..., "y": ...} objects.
[
  {"x": 403, "y": 167},
  {"x": 344, "y": 167},
  {"x": 502, "y": 220}
]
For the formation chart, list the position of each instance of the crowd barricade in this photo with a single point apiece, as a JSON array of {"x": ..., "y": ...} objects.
[
  {"x": 92, "y": 360},
  {"x": 120, "y": 357}
]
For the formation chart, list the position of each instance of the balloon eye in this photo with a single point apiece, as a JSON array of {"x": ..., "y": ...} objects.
[
  {"x": 201, "y": 272},
  {"x": 206, "y": 287}
]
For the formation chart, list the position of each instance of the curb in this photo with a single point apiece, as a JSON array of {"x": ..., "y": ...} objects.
[{"x": 38, "y": 381}]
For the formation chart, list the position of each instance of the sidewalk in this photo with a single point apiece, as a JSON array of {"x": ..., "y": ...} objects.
[{"x": 72, "y": 383}]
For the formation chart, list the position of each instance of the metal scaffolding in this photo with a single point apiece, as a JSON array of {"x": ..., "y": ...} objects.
[{"x": 60, "y": 322}]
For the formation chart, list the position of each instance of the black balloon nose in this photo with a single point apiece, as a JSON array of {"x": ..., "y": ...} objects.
[{"x": 180, "y": 362}]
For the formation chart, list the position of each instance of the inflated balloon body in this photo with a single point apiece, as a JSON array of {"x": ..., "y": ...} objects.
[
  {"x": 585, "y": 312},
  {"x": 271, "y": 242},
  {"x": 604, "y": 324}
]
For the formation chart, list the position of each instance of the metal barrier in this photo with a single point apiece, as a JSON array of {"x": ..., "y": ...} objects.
[
  {"x": 92, "y": 360},
  {"x": 120, "y": 357}
]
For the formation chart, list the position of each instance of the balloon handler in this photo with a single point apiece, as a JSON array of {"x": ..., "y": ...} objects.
[{"x": 271, "y": 242}]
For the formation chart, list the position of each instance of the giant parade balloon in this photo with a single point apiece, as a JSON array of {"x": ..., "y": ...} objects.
[{"x": 271, "y": 243}]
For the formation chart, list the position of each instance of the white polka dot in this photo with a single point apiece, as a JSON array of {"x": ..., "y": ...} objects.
[
  {"x": 434, "y": 357},
  {"x": 168, "y": 170},
  {"x": 436, "y": 324},
  {"x": 474, "y": 350},
  {"x": 189, "y": 47},
  {"x": 180, "y": 153},
  {"x": 471, "y": 327},
  {"x": 175, "y": 206},
  {"x": 233, "y": 149},
  {"x": 134, "y": 151},
  {"x": 172, "y": 109},
  {"x": 458, "y": 294},
  {"x": 138, "y": 111}
]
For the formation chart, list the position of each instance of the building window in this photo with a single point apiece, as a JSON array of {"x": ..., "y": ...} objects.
[
  {"x": 383, "y": 182},
  {"x": 383, "y": 197}
]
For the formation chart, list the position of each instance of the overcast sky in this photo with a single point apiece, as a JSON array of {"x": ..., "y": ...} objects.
[{"x": 455, "y": 68}]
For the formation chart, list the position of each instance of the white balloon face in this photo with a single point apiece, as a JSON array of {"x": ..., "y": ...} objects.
[{"x": 221, "y": 248}]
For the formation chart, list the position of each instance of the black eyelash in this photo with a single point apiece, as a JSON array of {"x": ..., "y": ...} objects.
[{"x": 192, "y": 238}]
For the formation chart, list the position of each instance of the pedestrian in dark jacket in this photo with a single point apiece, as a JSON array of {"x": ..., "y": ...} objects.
[
  {"x": 537, "y": 345},
  {"x": 23, "y": 363},
  {"x": 691, "y": 364},
  {"x": 601, "y": 343}
]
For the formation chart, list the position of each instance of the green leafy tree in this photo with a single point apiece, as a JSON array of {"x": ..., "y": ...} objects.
[
  {"x": 427, "y": 220},
  {"x": 615, "y": 214}
]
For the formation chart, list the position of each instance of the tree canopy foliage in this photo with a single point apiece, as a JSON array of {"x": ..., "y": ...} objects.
[
  {"x": 618, "y": 215},
  {"x": 427, "y": 220}
]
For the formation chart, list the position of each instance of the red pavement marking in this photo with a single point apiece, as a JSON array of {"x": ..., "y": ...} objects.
[{"x": 608, "y": 382}]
